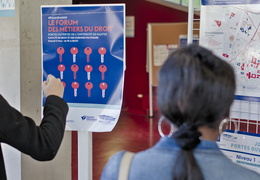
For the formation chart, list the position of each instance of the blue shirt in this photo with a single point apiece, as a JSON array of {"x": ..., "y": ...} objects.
[{"x": 156, "y": 163}]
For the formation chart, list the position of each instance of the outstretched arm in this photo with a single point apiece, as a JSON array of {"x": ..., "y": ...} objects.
[{"x": 41, "y": 142}]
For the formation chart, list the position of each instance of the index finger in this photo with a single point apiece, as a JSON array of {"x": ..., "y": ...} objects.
[{"x": 49, "y": 77}]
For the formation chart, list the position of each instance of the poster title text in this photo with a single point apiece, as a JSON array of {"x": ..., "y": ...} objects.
[{"x": 65, "y": 25}]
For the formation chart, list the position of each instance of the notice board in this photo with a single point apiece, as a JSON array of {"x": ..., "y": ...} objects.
[{"x": 170, "y": 35}]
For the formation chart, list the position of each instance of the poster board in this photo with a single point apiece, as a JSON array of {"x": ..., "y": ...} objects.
[{"x": 167, "y": 34}]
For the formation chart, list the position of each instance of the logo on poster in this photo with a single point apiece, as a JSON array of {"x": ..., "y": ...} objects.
[
  {"x": 88, "y": 118},
  {"x": 229, "y": 137}
]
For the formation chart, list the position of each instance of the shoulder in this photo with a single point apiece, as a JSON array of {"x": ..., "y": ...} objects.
[
  {"x": 240, "y": 172},
  {"x": 110, "y": 171},
  {"x": 211, "y": 160}
]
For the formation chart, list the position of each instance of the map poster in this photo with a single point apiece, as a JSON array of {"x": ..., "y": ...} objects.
[
  {"x": 231, "y": 30},
  {"x": 242, "y": 148},
  {"x": 84, "y": 46}
]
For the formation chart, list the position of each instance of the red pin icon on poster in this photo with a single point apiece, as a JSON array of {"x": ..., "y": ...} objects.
[
  {"x": 75, "y": 86},
  {"x": 60, "y": 51},
  {"x": 102, "y": 69},
  {"x": 61, "y": 68},
  {"x": 74, "y": 51},
  {"x": 89, "y": 86},
  {"x": 102, "y": 51},
  {"x": 75, "y": 69},
  {"x": 103, "y": 86},
  {"x": 88, "y": 69},
  {"x": 88, "y": 51}
]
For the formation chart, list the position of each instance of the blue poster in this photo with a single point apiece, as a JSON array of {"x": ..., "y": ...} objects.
[{"x": 84, "y": 45}]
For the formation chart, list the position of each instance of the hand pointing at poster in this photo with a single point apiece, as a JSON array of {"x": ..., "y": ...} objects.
[{"x": 53, "y": 86}]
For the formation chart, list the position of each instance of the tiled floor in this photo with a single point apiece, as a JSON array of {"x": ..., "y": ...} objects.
[{"x": 133, "y": 132}]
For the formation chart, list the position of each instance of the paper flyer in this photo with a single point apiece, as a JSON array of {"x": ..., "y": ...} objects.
[
  {"x": 161, "y": 52},
  {"x": 84, "y": 46}
]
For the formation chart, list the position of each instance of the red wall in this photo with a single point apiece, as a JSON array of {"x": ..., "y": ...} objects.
[{"x": 136, "y": 77}]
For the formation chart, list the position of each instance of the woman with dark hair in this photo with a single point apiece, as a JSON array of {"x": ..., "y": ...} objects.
[{"x": 195, "y": 92}]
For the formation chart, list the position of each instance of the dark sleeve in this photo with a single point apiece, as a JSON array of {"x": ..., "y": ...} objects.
[{"x": 40, "y": 142}]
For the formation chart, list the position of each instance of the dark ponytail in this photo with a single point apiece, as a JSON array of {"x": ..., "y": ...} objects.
[
  {"x": 186, "y": 167},
  {"x": 196, "y": 88}
]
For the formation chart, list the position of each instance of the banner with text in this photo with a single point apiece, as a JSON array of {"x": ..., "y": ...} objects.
[{"x": 242, "y": 148}]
